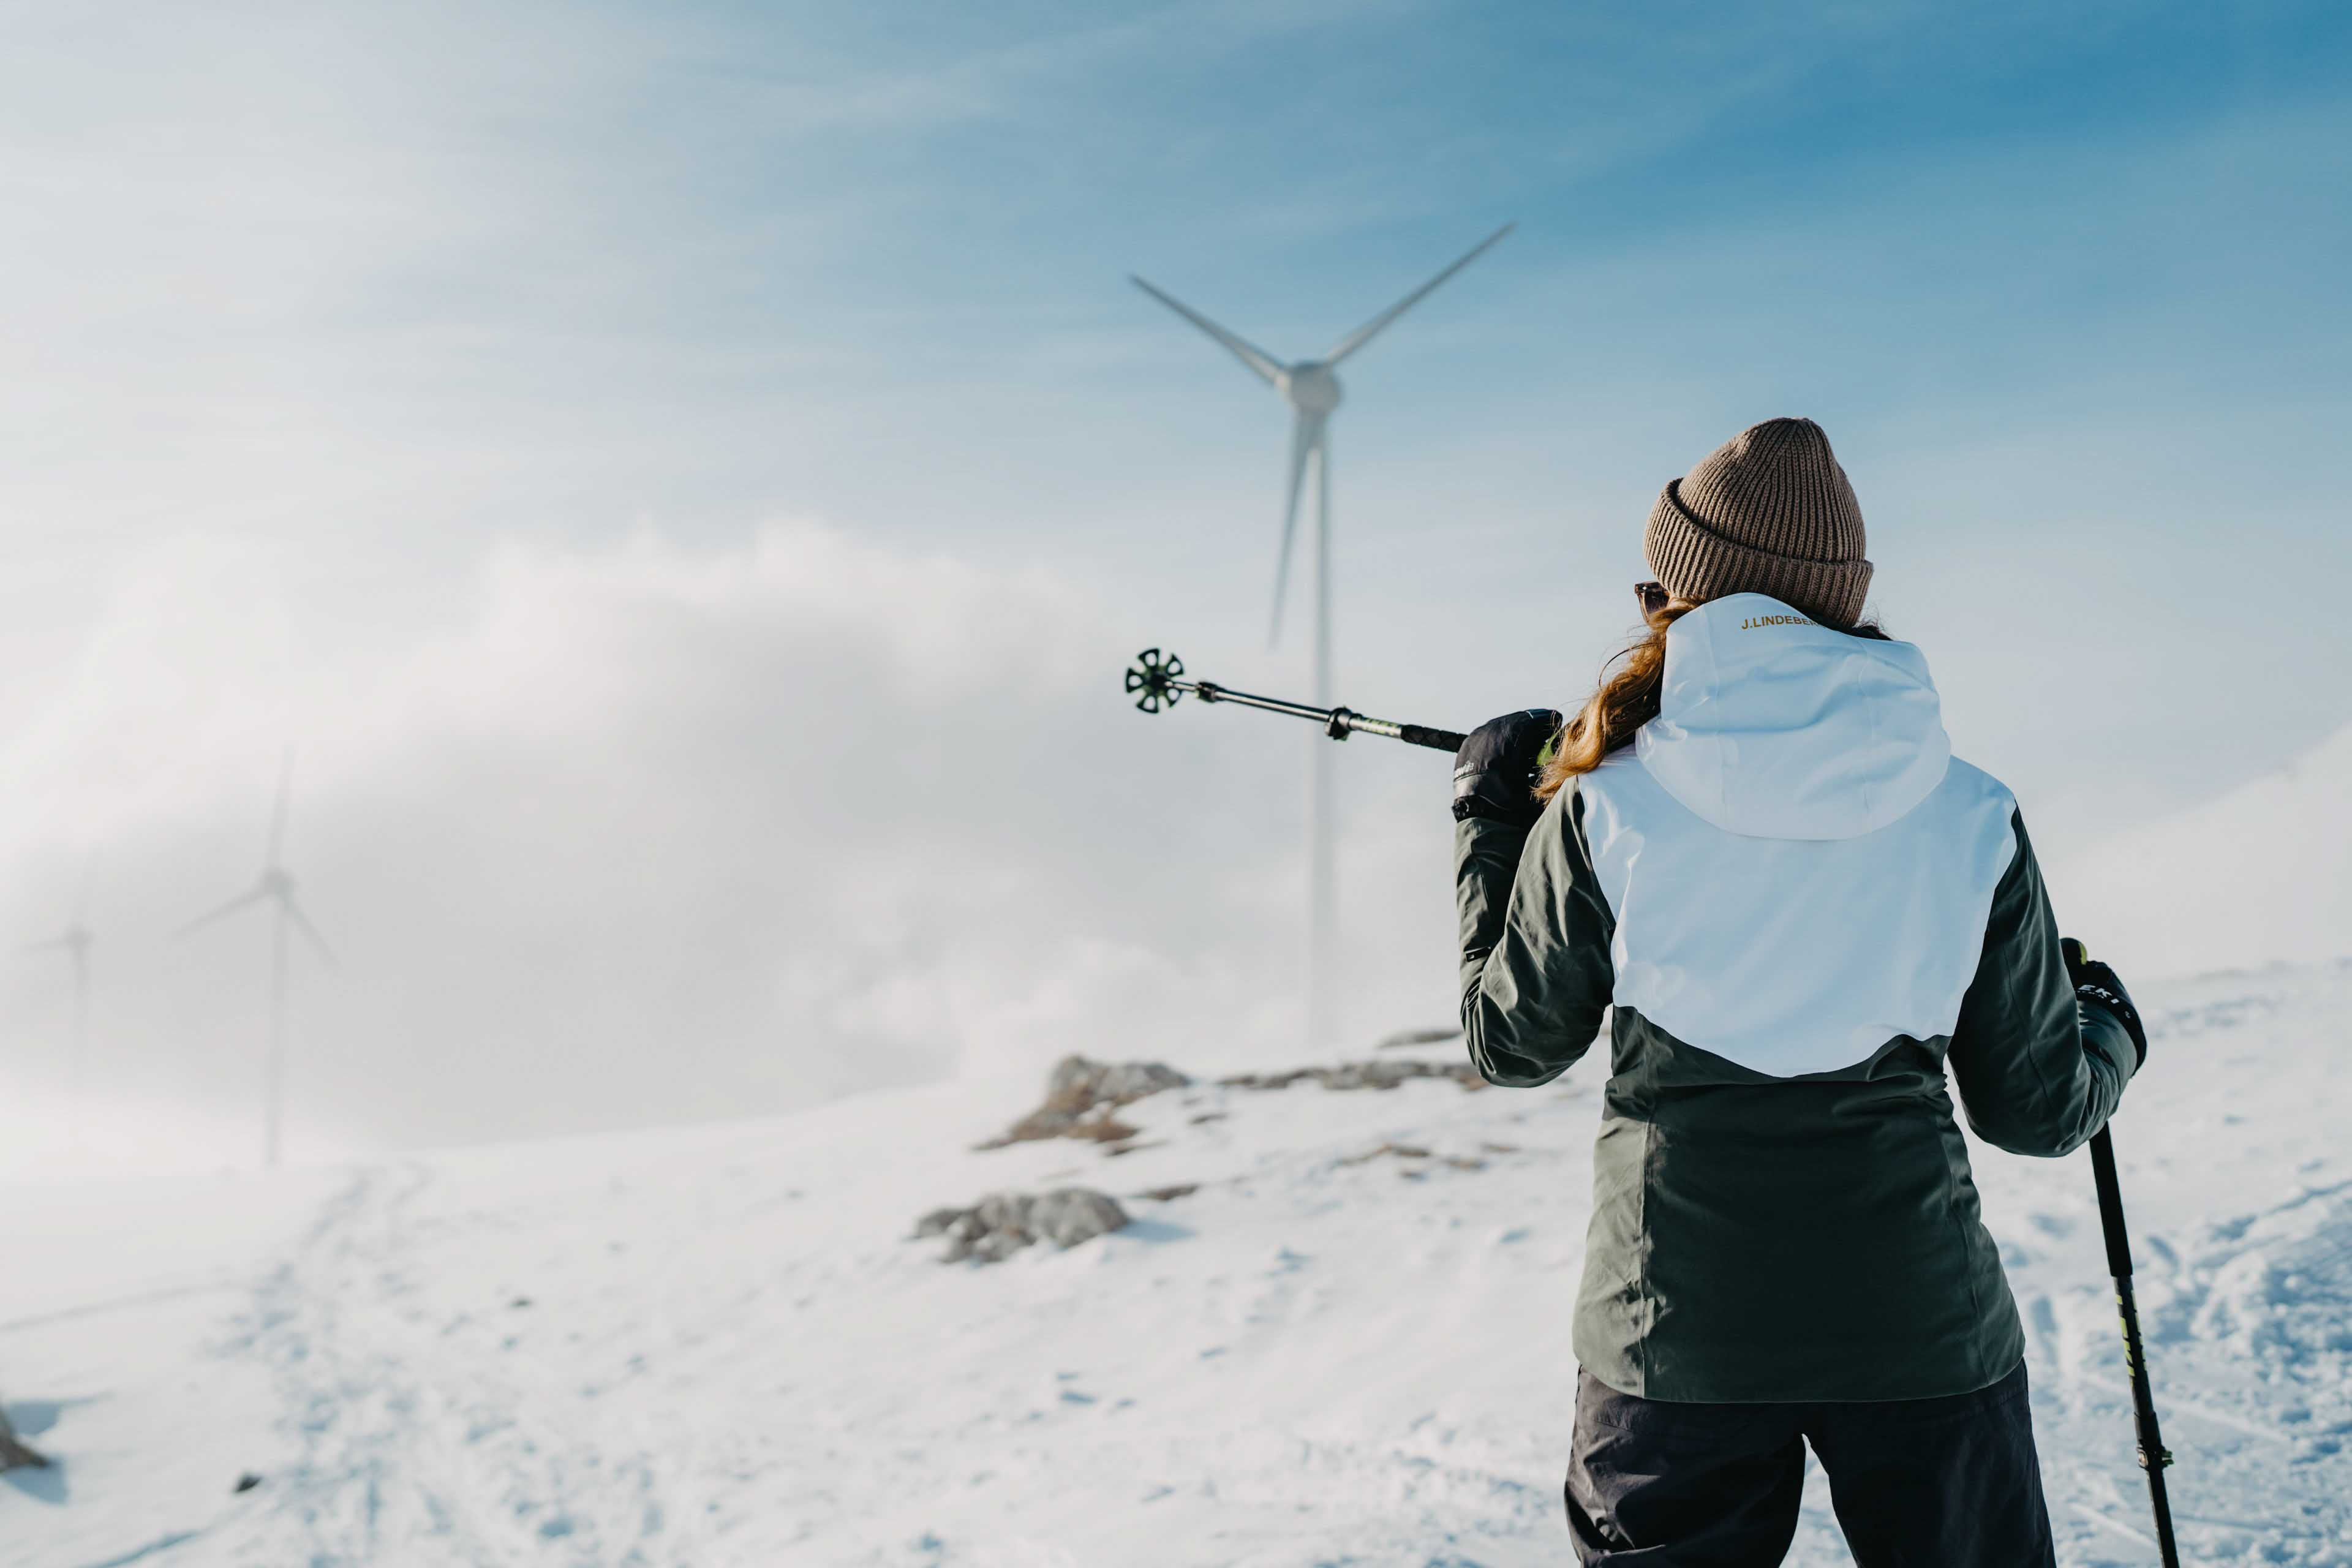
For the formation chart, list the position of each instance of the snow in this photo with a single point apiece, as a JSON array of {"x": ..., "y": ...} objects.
[{"x": 720, "y": 1345}]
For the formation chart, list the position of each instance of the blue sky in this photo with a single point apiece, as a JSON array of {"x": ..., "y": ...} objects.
[{"x": 354, "y": 349}]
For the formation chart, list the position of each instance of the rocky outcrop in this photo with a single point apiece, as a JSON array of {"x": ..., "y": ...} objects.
[
  {"x": 14, "y": 1453},
  {"x": 1360, "y": 1075},
  {"x": 1081, "y": 1095},
  {"x": 1001, "y": 1224},
  {"x": 1404, "y": 1039},
  {"x": 1117, "y": 1082}
]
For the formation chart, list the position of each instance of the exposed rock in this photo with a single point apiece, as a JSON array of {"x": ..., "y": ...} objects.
[
  {"x": 14, "y": 1453},
  {"x": 1170, "y": 1192},
  {"x": 1081, "y": 1094},
  {"x": 1360, "y": 1075},
  {"x": 1004, "y": 1210},
  {"x": 994, "y": 1247},
  {"x": 1072, "y": 1215},
  {"x": 1402, "y": 1151},
  {"x": 1117, "y": 1082},
  {"x": 1413, "y": 1151},
  {"x": 1001, "y": 1224},
  {"x": 1116, "y": 1150}
]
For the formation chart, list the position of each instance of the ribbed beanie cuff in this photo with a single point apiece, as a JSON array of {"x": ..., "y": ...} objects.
[{"x": 1769, "y": 511}]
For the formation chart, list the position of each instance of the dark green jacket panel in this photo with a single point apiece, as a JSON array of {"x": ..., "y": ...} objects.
[
  {"x": 1761, "y": 1240},
  {"x": 1536, "y": 974},
  {"x": 2038, "y": 1073}
]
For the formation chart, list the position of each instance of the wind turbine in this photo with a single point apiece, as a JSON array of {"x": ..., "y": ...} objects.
[
  {"x": 75, "y": 943},
  {"x": 1311, "y": 387},
  {"x": 275, "y": 889}
]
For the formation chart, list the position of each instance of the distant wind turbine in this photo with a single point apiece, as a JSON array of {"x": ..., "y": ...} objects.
[
  {"x": 275, "y": 889},
  {"x": 75, "y": 943},
  {"x": 1311, "y": 387}
]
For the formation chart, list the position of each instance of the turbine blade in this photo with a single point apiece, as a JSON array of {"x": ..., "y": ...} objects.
[
  {"x": 226, "y": 909},
  {"x": 55, "y": 944},
  {"x": 278, "y": 813},
  {"x": 1267, "y": 367},
  {"x": 1306, "y": 438},
  {"x": 1371, "y": 328},
  {"x": 302, "y": 921}
]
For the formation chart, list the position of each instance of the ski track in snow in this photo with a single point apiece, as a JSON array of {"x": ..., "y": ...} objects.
[
  {"x": 1347, "y": 1346},
  {"x": 406, "y": 1455}
]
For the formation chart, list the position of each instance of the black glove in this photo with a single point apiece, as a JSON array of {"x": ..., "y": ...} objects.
[
  {"x": 2096, "y": 986},
  {"x": 1494, "y": 771}
]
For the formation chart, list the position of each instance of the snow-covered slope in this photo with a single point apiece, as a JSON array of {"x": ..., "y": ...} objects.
[
  {"x": 716, "y": 1346},
  {"x": 2261, "y": 874}
]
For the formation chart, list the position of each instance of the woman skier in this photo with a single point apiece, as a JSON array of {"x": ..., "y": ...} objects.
[{"x": 1755, "y": 852}]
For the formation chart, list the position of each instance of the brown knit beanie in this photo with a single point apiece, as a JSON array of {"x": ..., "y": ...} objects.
[{"x": 1769, "y": 512}]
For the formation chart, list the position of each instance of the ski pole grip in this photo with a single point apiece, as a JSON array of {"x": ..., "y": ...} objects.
[{"x": 1436, "y": 740}]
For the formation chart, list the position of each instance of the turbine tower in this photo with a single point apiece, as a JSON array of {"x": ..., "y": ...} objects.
[
  {"x": 76, "y": 941},
  {"x": 275, "y": 889},
  {"x": 1311, "y": 387}
]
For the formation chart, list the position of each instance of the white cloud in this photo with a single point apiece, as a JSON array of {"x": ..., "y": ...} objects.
[
  {"x": 2258, "y": 876},
  {"x": 645, "y": 832}
]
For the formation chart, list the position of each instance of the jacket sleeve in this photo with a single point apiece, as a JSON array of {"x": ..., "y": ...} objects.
[
  {"x": 1536, "y": 971},
  {"x": 2039, "y": 1073}
]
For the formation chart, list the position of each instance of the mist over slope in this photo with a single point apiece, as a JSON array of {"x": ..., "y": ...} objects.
[
  {"x": 647, "y": 831},
  {"x": 2261, "y": 874}
]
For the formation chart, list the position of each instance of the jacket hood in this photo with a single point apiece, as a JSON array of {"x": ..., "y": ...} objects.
[{"x": 1774, "y": 726}]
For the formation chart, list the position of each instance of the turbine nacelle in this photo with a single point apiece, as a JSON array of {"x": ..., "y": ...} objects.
[
  {"x": 76, "y": 940},
  {"x": 1311, "y": 386},
  {"x": 274, "y": 888}
]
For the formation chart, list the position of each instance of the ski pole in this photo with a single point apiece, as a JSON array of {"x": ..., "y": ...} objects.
[
  {"x": 1158, "y": 682},
  {"x": 2153, "y": 1454}
]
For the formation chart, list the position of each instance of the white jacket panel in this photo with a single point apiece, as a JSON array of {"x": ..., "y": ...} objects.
[{"x": 1799, "y": 868}]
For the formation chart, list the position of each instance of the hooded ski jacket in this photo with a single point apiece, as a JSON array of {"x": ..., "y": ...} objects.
[{"x": 1796, "y": 908}]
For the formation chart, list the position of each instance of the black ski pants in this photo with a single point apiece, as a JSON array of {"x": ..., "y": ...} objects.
[{"x": 1916, "y": 1483}]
